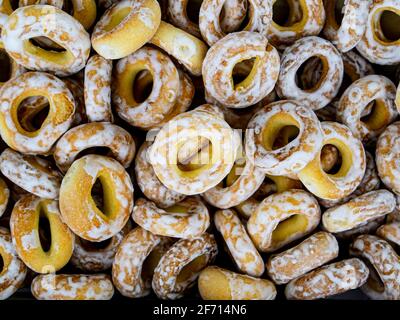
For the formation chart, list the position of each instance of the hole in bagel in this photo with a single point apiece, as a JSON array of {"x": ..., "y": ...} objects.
[
  {"x": 375, "y": 115},
  {"x": 289, "y": 226},
  {"x": 241, "y": 71},
  {"x": 389, "y": 23},
  {"x": 94, "y": 246},
  {"x": 100, "y": 150},
  {"x": 194, "y": 10},
  {"x": 5, "y": 66},
  {"x": 279, "y": 131},
  {"x": 194, "y": 154},
  {"x": 311, "y": 73},
  {"x": 97, "y": 194},
  {"x": 1, "y": 264},
  {"x": 150, "y": 263},
  {"x": 286, "y": 13},
  {"x": 374, "y": 280},
  {"x": 192, "y": 268},
  {"x": 339, "y": 11},
  {"x": 46, "y": 44},
  {"x": 44, "y": 231},
  {"x": 142, "y": 86},
  {"x": 331, "y": 160},
  {"x": 32, "y": 112}
]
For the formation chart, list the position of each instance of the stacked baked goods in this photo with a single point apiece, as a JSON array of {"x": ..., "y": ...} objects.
[{"x": 224, "y": 149}]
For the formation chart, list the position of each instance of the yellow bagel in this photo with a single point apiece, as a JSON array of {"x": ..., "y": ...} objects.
[
  {"x": 25, "y": 229},
  {"x": 78, "y": 208},
  {"x": 184, "y": 47},
  {"x": 125, "y": 27}
]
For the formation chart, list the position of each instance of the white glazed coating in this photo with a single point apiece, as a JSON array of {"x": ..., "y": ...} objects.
[
  {"x": 127, "y": 269},
  {"x": 373, "y": 45},
  {"x": 59, "y": 119},
  {"x": 329, "y": 280},
  {"x": 95, "y": 134},
  {"x": 32, "y": 174},
  {"x": 328, "y": 86},
  {"x": 72, "y": 287},
  {"x": 186, "y": 219},
  {"x": 222, "y": 57},
  {"x": 241, "y": 248},
  {"x": 98, "y": 73},
  {"x": 46, "y": 21},
  {"x": 14, "y": 270},
  {"x": 193, "y": 125},
  {"x": 355, "y": 14},
  {"x": 149, "y": 184},
  {"x": 386, "y": 263},
  {"x": 165, "y": 284},
  {"x": 294, "y": 156},
  {"x": 277, "y": 208},
  {"x": 312, "y": 253},
  {"x": 209, "y": 18},
  {"x": 359, "y": 211},
  {"x": 356, "y": 98}
]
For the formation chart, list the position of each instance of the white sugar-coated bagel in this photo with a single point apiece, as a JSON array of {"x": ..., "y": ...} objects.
[
  {"x": 56, "y": 3},
  {"x": 329, "y": 280},
  {"x": 25, "y": 230},
  {"x": 185, "y": 48},
  {"x": 171, "y": 279},
  {"x": 374, "y": 45},
  {"x": 46, "y": 21},
  {"x": 359, "y": 211},
  {"x": 312, "y": 253},
  {"x": 329, "y": 83},
  {"x": 371, "y": 89},
  {"x": 94, "y": 134},
  {"x": 240, "y": 246},
  {"x": 88, "y": 257},
  {"x": 384, "y": 281},
  {"x": 186, "y": 219},
  {"x": 149, "y": 184},
  {"x": 72, "y": 287},
  {"x": 233, "y": 13},
  {"x": 14, "y": 270},
  {"x": 59, "y": 119},
  {"x": 263, "y": 129},
  {"x": 367, "y": 228},
  {"x": 125, "y": 27},
  {"x": 135, "y": 260},
  {"x": 31, "y": 173},
  {"x": 352, "y": 169},
  {"x": 194, "y": 124},
  {"x": 390, "y": 232},
  {"x": 369, "y": 182},
  {"x": 221, "y": 59},
  {"x": 240, "y": 184},
  {"x": 305, "y": 18},
  {"x": 220, "y": 284},
  {"x": 387, "y": 156},
  {"x": 164, "y": 93},
  {"x": 77, "y": 206},
  {"x": 209, "y": 18},
  {"x": 346, "y": 35},
  {"x": 98, "y": 72},
  {"x": 282, "y": 218}
]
